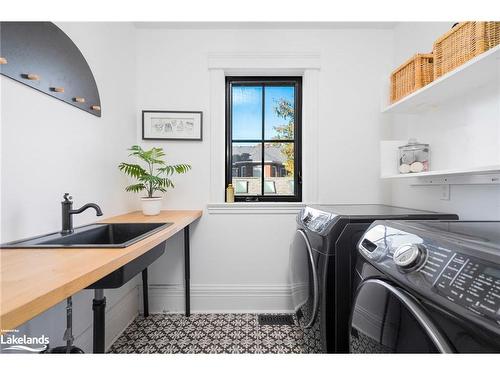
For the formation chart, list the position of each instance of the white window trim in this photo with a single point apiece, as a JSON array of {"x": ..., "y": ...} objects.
[
  {"x": 290, "y": 208},
  {"x": 305, "y": 64}
]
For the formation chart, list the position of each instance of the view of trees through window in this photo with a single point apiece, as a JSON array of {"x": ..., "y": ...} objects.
[
  {"x": 285, "y": 110},
  {"x": 262, "y": 138}
]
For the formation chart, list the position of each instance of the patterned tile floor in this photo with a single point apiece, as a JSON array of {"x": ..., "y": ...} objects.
[{"x": 208, "y": 333}]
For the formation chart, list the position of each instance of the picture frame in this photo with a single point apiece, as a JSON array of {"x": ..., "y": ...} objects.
[{"x": 172, "y": 125}]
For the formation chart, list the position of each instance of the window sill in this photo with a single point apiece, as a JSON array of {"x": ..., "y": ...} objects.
[{"x": 273, "y": 208}]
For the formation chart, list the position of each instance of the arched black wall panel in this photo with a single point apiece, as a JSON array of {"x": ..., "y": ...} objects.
[{"x": 42, "y": 49}]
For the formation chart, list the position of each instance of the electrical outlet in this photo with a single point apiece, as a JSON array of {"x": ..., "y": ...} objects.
[{"x": 445, "y": 192}]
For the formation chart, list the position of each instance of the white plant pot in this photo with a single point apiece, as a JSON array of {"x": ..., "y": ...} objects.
[{"x": 151, "y": 206}]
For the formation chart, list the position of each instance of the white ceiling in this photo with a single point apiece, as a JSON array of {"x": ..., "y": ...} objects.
[{"x": 265, "y": 25}]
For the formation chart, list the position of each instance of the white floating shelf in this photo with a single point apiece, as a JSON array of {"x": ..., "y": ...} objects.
[
  {"x": 474, "y": 73},
  {"x": 491, "y": 169}
]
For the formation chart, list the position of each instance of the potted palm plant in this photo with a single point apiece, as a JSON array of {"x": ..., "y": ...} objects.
[{"x": 153, "y": 178}]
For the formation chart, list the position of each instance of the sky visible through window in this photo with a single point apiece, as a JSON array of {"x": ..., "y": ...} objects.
[{"x": 247, "y": 110}]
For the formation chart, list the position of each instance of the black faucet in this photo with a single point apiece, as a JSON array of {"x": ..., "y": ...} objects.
[{"x": 68, "y": 212}]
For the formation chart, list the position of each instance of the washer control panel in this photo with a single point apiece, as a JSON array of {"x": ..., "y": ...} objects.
[
  {"x": 472, "y": 284},
  {"x": 438, "y": 268}
]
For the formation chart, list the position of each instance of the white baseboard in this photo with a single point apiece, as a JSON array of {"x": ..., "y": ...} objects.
[
  {"x": 118, "y": 318},
  {"x": 220, "y": 298}
]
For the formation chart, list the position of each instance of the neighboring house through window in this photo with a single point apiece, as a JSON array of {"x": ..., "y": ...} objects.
[{"x": 263, "y": 137}]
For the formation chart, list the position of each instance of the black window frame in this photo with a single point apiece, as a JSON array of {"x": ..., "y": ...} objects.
[{"x": 297, "y": 141}]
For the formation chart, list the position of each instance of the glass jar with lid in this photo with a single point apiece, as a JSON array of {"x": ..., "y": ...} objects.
[{"x": 414, "y": 157}]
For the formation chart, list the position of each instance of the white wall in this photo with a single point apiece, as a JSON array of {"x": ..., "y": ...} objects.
[
  {"x": 462, "y": 132},
  {"x": 240, "y": 262},
  {"x": 49, "y": 148}
]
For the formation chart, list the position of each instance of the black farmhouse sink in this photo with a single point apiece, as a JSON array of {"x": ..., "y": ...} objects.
[
  {"x": 125, "y": 273},
  {"x": 103, "y": 236},
  {"x": 93, "y": 235}
]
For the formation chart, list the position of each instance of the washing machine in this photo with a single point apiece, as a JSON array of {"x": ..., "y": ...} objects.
[
  {"x": 322, "y": 259},
  {"x": 427, "y": 287}
]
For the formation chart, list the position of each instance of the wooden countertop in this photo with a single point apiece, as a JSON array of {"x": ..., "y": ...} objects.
[{"x": 33, "y": 280}]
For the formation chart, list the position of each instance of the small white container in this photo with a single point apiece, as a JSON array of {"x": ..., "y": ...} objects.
[{"x": 151, "y": 206}]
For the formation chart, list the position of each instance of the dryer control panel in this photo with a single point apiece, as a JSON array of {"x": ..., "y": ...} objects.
[{"x": 461, "y": 270}]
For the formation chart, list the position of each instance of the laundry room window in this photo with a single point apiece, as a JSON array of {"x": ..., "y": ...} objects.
[{"x": 263, "y": 138}]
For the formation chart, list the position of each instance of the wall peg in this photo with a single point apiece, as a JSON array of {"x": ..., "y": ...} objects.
[
  {"x": 42, "y": 57},
  {"x": 95, "y": 107}
]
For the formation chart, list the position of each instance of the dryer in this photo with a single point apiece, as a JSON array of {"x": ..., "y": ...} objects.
[{"x": 427, "y": 287}]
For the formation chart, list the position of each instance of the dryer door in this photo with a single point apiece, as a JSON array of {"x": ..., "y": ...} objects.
[
  {"x": 386, "y": 319},
  {"x": 304, "y": 279}
]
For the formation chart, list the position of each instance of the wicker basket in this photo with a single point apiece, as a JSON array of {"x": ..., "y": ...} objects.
[
  {"x": 462, "y": 43},
  {"x": 411, "y": 76}
]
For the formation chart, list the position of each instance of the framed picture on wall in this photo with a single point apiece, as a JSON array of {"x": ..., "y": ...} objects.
[{"x": 172, "y": 125}]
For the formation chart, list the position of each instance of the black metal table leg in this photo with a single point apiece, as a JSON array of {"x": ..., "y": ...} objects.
[
  {"x": 99, "y": 307},
  {"x": 145, "y": 298},
  {"x": 187, "y": 270}
]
